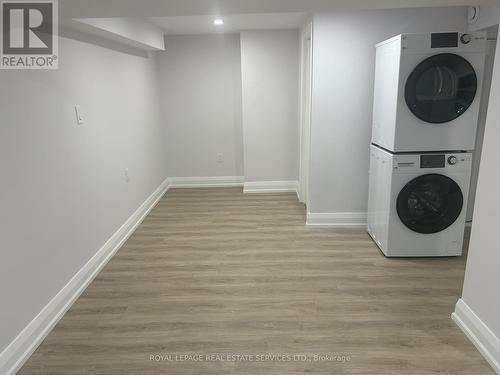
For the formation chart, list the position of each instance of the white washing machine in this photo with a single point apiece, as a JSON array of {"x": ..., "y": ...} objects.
[
  {"x": 427, "y": 91},
  {"x": 417, "y": 202}
]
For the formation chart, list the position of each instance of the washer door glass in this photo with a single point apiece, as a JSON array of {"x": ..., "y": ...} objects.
[
  {"x": 430, "y": 203},
  {"x": 441, "y": 88}
]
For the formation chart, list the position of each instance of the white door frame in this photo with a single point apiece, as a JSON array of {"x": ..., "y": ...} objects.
[{"x": 305, "y": 111}]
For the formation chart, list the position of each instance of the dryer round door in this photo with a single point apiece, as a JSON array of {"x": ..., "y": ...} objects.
[
  {"x": 441, "y": 88},
  {"x": 430, "y": 203}
]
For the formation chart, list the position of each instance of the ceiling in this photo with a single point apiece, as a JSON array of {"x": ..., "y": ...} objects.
[
  {"x": 186, "y": 25},
  {"x": 184, "y": 17},
  {"x": 176, "y": 8}
]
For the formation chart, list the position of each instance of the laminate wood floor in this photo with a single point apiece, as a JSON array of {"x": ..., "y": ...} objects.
[{"x": 216, "y": 272}]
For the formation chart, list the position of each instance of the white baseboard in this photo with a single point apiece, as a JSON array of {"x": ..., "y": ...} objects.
[
  {"x": 337, "y": 220},
  {"x": 271, "y": 187},
  {"x": 478, "y": 332},
  {"x": 201, "y": 182},
  {"x": 23, "y": 346},
  {"x": 299, "y": 196}
]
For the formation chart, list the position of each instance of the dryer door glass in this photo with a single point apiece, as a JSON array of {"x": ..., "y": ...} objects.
[
  {"x": 441, "y": 88},
  {"x": 430, "y": 203}
]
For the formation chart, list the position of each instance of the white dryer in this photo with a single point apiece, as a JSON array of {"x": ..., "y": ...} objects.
[
  {"x": 427, "y": 91},
  {"x": 417, "y": 202}
]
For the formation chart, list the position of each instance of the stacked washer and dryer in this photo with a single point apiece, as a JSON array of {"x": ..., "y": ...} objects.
[{"x": 426, "y": 108}]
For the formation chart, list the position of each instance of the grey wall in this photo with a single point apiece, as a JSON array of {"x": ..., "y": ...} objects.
[
  {"x": 270, "y": 81},
  {"x": 343, "y": 78},
  {"x": 200, "y": 79},
  {"x": 63, "y": 192}
]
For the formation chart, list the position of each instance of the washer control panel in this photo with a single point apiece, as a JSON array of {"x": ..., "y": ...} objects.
[
  {"x": 432, "y": 161},
  {"x": 414, "y": 162}
]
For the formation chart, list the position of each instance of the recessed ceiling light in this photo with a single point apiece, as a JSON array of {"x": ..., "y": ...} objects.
[{"x": 218, "y": 22}]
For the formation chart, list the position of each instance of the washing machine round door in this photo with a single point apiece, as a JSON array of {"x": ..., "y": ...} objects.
[
  {"x": 441, "y": 88},
  {"x": 430, "y": 203}
]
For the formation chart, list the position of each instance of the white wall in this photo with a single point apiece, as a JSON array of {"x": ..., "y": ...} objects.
[
  {"x": 343, "y": 78},
  {"x": 479, "y": 309},
  {"x": 63, "y": 191},
  {"x": 483, "y": 111},
  {"x": 270, "y": 81},
  {"x": 200, "y": 79}
]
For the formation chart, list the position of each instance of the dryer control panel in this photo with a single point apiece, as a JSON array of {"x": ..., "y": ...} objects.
[
  {"x": 444, "y": 40},
  {"x": 455, "y": 42},
  {"x": 451, "y": 40}
]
